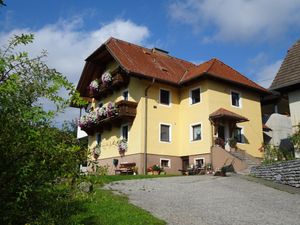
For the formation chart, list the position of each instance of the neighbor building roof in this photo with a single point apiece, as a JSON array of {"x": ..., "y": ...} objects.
[
  {"x": 289, "y": 72},
  {"x": 155, "y": 63}
]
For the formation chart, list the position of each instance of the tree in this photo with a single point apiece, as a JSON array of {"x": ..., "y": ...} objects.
[{"x": 34, "y": 157}]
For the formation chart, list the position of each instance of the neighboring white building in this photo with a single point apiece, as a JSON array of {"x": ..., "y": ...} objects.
[{"x": 287, "y": 83}]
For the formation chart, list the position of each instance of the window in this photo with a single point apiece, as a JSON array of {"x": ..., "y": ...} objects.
[
  {"x": 196, "y": 132},
  {"x": 124, "y": 132},
  {"x": 199, "y": 162},
  {"x": 165, "y": 163},
  {"x": 238, "y": 134},
  {"x": 165, "y": 133},
  {"x": 235, "y": 99},
  {"x": 164, "y": 97},
  {"x": 125, "y": 95},
  {"x": 195, "y": 96}
]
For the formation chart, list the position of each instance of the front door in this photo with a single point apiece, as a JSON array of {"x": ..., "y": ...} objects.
[{"x": 221, "y": 132}]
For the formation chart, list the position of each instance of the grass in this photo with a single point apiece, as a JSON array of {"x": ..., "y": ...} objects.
[{"x": 102, "y": 207}]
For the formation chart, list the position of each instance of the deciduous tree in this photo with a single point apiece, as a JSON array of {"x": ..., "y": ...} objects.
[{"x": 34, "y": 156}]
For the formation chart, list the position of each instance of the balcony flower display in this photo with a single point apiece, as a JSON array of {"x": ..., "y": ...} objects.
[
  {"x": 88, "y": 120},
  {"x": 111, "y": 109},
  {"x": 94, "y": 117},
  {"x": 101, "y": 113},
  {"x": 94, "y": 85},
  {"x": 106, "y": 78},
  {"x": 122, "y": 146}
]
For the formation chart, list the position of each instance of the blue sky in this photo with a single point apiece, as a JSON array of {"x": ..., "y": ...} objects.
[{"x": 251, "y": 36}]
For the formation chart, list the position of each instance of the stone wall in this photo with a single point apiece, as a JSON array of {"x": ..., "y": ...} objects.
[{"x": 287, "y": 172}]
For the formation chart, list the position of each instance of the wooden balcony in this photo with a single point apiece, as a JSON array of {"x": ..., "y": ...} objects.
[
  {"x": 126, "y": 114},
  {"x": 118, "y": 81}
]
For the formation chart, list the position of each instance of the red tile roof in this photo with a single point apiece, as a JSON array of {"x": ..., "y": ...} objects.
[
  {"x": 224, "y": 113},
  {"x": 148, "y": 62},
  {"x": 151, "y": 63},
  {"x": 217, "y": 69}
]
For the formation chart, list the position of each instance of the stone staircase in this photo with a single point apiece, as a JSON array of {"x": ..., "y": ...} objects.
[{"x": 248, "y": 160}]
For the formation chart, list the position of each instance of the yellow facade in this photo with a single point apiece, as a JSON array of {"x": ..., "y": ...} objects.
[{"x": 181, "y": 115}]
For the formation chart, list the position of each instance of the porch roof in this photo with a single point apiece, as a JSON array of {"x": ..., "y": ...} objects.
[{"x": 227, "y": 115}]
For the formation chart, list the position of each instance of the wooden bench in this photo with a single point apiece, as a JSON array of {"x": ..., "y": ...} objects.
[{"x": 125, "y": 168}]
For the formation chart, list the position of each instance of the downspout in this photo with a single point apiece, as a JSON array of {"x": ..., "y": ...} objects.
[
  {"x": 212, "y": 141},
  {"x": 146, "y": 126}
]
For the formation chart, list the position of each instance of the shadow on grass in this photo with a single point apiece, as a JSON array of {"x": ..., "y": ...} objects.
[{"x": 92, "y": 220}]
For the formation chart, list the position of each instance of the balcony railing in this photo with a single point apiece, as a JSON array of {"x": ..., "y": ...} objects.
[
  {"x": 118, "y": 81},
  {"x": 122, "y": 112}
]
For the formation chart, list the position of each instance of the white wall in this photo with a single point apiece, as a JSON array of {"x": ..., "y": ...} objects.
[
  {"x": 281, "y": 128},
  {"x": 294, "y": 101}
]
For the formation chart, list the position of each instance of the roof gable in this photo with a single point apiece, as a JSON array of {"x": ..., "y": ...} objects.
[
  {"x": 289, "y": 72},
  {"x": 217, "y": 69}
]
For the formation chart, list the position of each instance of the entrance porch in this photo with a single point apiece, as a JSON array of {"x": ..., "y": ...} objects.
[{"x": 225, "y": 130}]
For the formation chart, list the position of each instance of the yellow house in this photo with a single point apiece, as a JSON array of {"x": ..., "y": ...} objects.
[{"x": 147, "y": 107}]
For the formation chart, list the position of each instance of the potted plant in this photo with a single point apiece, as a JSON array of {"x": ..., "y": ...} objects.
[
  {"x": 96, "y": 151},
  {"x": 232, "y": 143},
  {"x": 135, "y": 170},
  {"x": 122, "y": 146},
  {"x": 115, "y": 162},
  {"x": 156, "y": 169}
]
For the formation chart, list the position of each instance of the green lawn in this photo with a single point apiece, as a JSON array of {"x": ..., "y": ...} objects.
[{"x": 105, "y": 208}]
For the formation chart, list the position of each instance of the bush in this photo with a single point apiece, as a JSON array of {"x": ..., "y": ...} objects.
[{"x": 273, "y": 154}]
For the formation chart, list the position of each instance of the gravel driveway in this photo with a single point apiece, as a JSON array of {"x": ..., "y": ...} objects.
[{"x": 207, "y": 200}]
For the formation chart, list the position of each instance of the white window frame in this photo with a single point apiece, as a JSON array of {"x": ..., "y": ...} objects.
[
  {"x": 170, "y": 97},
  {"x": 190, "y": 95},
  {"x": 123, "y": 93},
  {"x": 195, "y": 159},
  {"x": 191, "y": 132},
  {"x": 121, "y": 131},
  {"x": 170, "y": 133},
  {"x": 169, "y": 162},
  {"x": 243, "y": 135},
  {"x": 240, "y": 100}
]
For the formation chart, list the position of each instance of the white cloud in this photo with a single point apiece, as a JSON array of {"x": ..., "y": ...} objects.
[
  {"x": 68, "y": 45},
  {"x": 238, "y": 20},
  {"x": 266, "y": 73}
]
